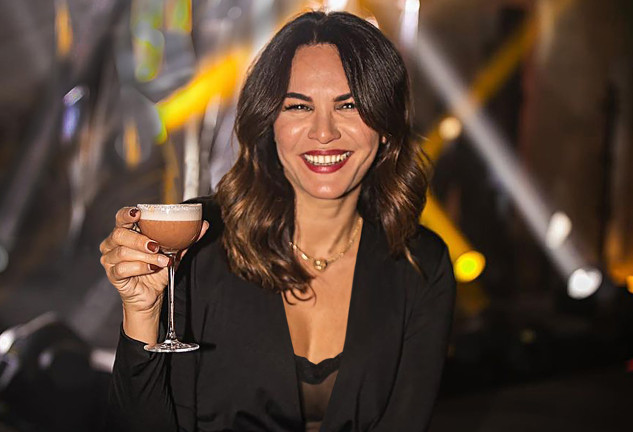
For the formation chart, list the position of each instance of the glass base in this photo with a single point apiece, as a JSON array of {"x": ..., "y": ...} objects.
[{"x": 171, "y": 346}]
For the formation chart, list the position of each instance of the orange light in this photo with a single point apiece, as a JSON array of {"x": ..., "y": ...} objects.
[
  {"x": 131, "y": 144},
  {"x": 63, "y": 28}
]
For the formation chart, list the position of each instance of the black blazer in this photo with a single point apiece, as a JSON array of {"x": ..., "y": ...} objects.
[{"x": 244, "y": 379}]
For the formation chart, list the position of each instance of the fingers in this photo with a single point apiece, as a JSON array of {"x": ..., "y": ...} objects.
[
  {"x": 128, "y": 238},
  {"x": 123, "y": 254},
  {"x": 127, "y": 217},
  {"x": 127, "y": 269}
]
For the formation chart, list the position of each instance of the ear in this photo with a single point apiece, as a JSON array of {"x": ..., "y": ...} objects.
[{"x": 383, "y": 140}]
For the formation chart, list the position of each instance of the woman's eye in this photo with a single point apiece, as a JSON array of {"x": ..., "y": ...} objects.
[
  {"x": 297, "y": 107},
  {"x": 348, "y": 106}
]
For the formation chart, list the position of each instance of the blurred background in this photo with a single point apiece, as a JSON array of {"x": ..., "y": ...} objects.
[{"x": 525, "y": 108}]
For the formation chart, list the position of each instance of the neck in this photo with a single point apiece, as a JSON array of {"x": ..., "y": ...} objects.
[{"x": 324, "y": 227}]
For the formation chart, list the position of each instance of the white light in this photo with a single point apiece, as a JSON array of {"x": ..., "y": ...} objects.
[
  {"x": 264, "y": 23},
  {"x": 583, "y": 282},
  {"x": 74, "y": 95},
  {"x": 450, "y": 128},
  {"x": 558, "y": 230},
  {"x": 6, "y": 341},
  {"x": 102, "y": 360},
  {"x": 336, "y": 5},
  {"x": 409, "y": 22}
]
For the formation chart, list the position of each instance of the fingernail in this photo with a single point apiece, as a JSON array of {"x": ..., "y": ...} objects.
[
  {"x": 133, "y": 212},
  {"x": 152, "y": 246},
  {"x": 163, "y": 260},
  {"x": 154, "y": 267}
]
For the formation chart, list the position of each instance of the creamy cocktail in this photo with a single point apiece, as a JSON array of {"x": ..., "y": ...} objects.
[{"x": 174, "y": 227}]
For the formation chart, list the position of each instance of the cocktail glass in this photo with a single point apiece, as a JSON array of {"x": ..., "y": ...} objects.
[{"x": 174, "y": 227}]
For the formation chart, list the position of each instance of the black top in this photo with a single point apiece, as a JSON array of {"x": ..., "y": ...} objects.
[
  {"x": 244, "y": 376},
  {"x": 316, "y": 382}
]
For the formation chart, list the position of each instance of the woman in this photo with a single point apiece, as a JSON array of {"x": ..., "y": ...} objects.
[{"x": 318, "y": 302}]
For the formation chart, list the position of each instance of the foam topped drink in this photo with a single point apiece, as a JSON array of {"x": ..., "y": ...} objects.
[{"x": 173, "y": 226}]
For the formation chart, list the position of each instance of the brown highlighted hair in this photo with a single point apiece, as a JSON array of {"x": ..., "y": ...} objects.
[{"x": 256, "y": 199}]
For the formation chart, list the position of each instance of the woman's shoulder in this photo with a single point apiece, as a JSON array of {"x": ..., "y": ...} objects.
[{"x": 429, "y": 250}]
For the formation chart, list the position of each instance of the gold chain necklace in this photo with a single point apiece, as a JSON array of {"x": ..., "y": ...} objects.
[{"x": 321, "y": 264}]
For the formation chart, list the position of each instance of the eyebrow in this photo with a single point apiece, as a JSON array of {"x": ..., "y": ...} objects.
[{"x": 309, "y": 99}]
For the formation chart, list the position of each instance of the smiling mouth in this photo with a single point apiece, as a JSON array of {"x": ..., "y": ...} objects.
[{"x": 326, "y": 160}]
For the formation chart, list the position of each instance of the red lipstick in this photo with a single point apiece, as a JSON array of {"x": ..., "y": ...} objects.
[{"x": 325, "y": 161}]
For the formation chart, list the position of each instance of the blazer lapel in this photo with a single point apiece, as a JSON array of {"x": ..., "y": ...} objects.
[{"x": 372, "y": 341}]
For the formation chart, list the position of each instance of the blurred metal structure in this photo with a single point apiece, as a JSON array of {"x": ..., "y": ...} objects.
[{"x": 64, "y": 73}]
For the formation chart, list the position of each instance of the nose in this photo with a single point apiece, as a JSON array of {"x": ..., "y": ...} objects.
[{"x": 323, "y": 128}]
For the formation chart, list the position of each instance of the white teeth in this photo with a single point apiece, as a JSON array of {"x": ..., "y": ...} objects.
[{"x": 321, "y": 160}]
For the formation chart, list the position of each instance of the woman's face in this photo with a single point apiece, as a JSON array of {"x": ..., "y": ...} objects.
[{"x": 323, "y": 144}]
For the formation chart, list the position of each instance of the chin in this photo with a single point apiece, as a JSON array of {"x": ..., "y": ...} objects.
[{"x": 329, "y": 193}]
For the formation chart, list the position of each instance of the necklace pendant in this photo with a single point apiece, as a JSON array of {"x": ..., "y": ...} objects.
[{"x": 320, "y": 264}]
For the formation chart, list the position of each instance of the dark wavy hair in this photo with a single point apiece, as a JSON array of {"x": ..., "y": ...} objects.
[{"x": 257, "y": 201}]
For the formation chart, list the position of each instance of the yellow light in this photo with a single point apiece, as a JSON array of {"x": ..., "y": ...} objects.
[
  {"x": 504, "y": 62},
  {"x": 450, "y": 128},
  {"x": 131, "y": 144},
  {"x": 63, "y": 28},
  {"x": 215, "y": 78},
  {"x": 468, "y": 263},
  {"x": 469, "y": 266},
  {"x": 433, "y": 144},
  {"x": 162, "y": 134},
  {"x": 621, "y": 272}
]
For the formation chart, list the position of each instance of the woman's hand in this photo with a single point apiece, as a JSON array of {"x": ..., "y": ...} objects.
[{"x": 135, "y": 267}]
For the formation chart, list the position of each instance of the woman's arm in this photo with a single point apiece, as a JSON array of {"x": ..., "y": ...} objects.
[
  {"x": 423, "y": 353},
  {"x": 141, "y": 392}
]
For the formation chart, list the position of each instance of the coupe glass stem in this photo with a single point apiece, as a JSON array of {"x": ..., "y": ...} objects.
[{"x": 171, "y": 331}]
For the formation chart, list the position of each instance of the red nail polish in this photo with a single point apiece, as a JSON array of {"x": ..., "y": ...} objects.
[
  {"x": 152, "y": 246},
  {"x": 133, "y": 212},
  {"x": 154, "y": 267}
]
